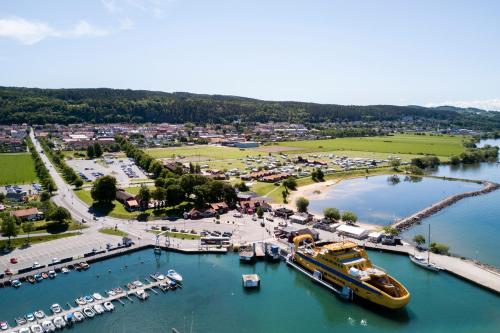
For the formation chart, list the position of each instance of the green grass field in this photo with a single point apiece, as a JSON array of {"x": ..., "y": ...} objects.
[
  {"x": 203, "y": 152},
  {"x": 116, "y": 210},
  {"x": 399, "y": 144},
  {"x": 20, "y": 242},
  {"x": 177, "y": 234},
  {"x": 16, "y": 169},
  {"x": 113, "y": 232}
]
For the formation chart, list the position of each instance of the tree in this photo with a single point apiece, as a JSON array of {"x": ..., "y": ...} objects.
[
  {"x": 419, "y": 239},
  {"x": 320, "y": 175},
  {"x": 44, "y": 196},
  {"x": 144, "y": 196},
  {"x": 10, "y": 228},
  {"x": 395, "y": 164},
  {"x": 439, "y": 248},
  {"x": 390, "y": 230},
  {"x": 2, "y": 197},
  {"x": 28, "y": 227},
  {"x": 159, "y": 194},
  {"x": 97, "y": 150},
  {"x": 242, "y": 187},
  {"x": 348, "y": 216},
  {"x": 455, "y": 160},
  {"x": 78, "y": 182},
  {"x": 331, "y": 213},
  {"x": 90, "y": 151},
  {"x": 284, "y": 194},
  {"x": 175, "y": 195},
  {"x": 60, "y": 215},
  {"x": 104, "y": 189},
  {"x": 302, "y": 204},
  {"x": 290, "y": 183},
  {"x": 260, "y": 212}
]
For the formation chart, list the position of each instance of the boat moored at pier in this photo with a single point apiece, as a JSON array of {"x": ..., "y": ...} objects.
[{"x": 346, "y": 265}]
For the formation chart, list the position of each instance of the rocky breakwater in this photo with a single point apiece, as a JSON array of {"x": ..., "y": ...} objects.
[{"x": 409, "y": 221}]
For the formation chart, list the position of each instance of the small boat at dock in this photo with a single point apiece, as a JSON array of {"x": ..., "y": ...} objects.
[
  {"x": 84, "y": 266},
  {"x": 78, "y": 316},
  {"x": 88, "y": 312},
  {"x": 44, "y": 275},
  {"x": 16, "y": 283},
  {"x": 21, "y": 321},
  {"x": 97, "y": 296},
  {"x": 422, "y": 262},
  {"x": 39, "y": 314},
  {"x": 30, "y": 279},
  {"x": 48, "y": 326},
  {"x": 111, "y": 292},
  {"x": 250, "y": 280},
  {"x": 78, "y": 266},
  {"x": 59, "y": 322},
  {"x": 118, "y": 290},
  {"x": 99, "y": 309},
  {"x": 173, "y": 275},
  {"x": 141, "y": 294},
  {"x": 36, "y": 329},
  {"x": 30, "y": 317},
  {"x": 24, "y": 330},
  {"x": 131, "y": 286},
  {"x": 4, "y": 325},
  {"x": 108, "y": 306},
  {"x": 64, "y": 270},
  {"x": 56, "y": 308},
  {"x": 80, "y": 301},
  {"x": 38, "y": 277},
  {"x": 52, "y": 274},
  {"x": 88, "y": 299}
]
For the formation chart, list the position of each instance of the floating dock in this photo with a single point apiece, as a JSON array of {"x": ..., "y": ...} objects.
[{"x": 250, "y": 280}]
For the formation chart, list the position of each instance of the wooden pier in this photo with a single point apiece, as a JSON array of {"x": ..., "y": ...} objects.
[{"x": 115, "y": 298}]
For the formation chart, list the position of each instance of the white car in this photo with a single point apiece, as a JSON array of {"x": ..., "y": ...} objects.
[
  {"x": 35, "y": 265},
  {"x": 55, "y": 260},
  {"x": 237, "y": 215}
]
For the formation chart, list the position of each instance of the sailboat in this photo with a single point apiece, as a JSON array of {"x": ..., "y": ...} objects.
[{"x": 423, "y": 262}]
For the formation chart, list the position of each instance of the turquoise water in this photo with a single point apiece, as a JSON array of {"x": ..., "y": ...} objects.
[
  {"x": 377, "y": 200},
  {"x": 213, "y": 300}
]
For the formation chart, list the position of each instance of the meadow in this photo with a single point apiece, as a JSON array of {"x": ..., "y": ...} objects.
[
  {"x": 16, "y": 169},
  {"x": 203, "y": 152},
  {"x": 439, "y": 145}
]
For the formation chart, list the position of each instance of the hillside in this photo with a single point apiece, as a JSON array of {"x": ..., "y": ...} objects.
[{"x": 40, "y": 106}]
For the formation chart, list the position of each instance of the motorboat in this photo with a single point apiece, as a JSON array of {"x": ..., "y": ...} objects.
[
  {"x": 64, "y": 270},
  {"x": 38, "y": 277},
  {"x": 31, "y": 279},
  {"x": 88, "y": 312},
  {"x": 80, "y": 301},
  {"x": 88, "y": 299},
  {"x": 84, "y": 265},
  {"x": 141, "y": 294},
  {"x": 36, "y": 329},
  {"x": 52, "y": 274},
  {"x": 163, "y": 286},
  {"x": 108, "y": 306},
  {"x": 69, "y": 319},
  {"x": 98, "y": 308},
  {"x": 4, "y": 326},
  {"x": 131, "y": 286},
  {"x": 59, "y": 322},
  {"x": 44, "y": 275},
  {"x": 111, "y": 292},
  {"x": 118, "y": 290},
  {"x": 48, "y": 326},
  {"x": 16, "y": 283},
  {"x": 24, "y": 330},
  {"x": 159, "y": 276},
  {"x": 39, "y": 314},
  {"x": 97, "y": 296},
  {"x": 173, "y": 275},
  {"x": 425, "y": 263},
  {"x": 29, "y": 317},
  {"x": 56, "y": 308},
  {"x": 21, "y": 321},
  {"x": 78, "y": 266},
  {"x": 138, "y": 284},
  {"x": 78, "y": 316}
]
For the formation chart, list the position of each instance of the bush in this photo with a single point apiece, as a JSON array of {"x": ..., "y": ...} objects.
[
  {"x": 348, "y": 216},
  {"x": 439, "y": 248},
  {"x": 331, "y": 213},
  {"x": 302, "y": 204}
]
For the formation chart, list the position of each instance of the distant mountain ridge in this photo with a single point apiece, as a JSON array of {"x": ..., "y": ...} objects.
[{"x": 100, "y": 105}]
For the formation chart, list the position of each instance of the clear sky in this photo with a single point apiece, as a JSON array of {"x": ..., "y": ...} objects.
[{"x": 346, "y": 52}]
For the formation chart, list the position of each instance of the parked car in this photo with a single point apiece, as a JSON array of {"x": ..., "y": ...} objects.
[
  {"x": 237, "y": 215},
  {"x": 13, "y": 260}
]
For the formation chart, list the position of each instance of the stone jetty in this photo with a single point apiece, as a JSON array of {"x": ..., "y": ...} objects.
[{"x": 409, "y": 221}]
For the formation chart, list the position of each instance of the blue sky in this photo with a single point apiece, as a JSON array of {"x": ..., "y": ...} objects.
[{"x": 345, "y": 52}]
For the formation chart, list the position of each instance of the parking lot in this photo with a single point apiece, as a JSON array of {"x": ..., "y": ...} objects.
[{"x": 123, "y": 169}]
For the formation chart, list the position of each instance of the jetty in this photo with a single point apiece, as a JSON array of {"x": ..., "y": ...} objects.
[
  {"x": 125, "y": 294},
  {"x": 409, "y": 221}
]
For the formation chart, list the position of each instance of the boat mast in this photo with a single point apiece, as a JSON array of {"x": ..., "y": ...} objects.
[{"x": 429, "y": 247}]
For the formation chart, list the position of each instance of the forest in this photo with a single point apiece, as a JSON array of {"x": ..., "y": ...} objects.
[{"x": 103, "y": 105}]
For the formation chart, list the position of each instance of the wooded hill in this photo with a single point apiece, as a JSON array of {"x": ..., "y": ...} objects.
[{"x": 65, "y": 106}]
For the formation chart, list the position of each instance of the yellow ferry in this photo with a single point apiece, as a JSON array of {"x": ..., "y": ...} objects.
[{"x": 345, "y": 264}]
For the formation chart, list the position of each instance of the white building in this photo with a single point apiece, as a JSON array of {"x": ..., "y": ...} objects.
[{"x": 352, "y": 231}]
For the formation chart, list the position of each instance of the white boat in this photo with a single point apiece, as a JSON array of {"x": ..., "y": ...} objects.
[
  {"x": 30, "y": 317},
  {"x": 48, "y": 326},
  {"x": 159, "y": 276},
  {"x": 56, "y": 308},
  {"x": 423, "y": 262},
  {"x": 141, "y": 294},
  {"x": 163, "y": 286},
  {"x": 59, "y": 322},
  {"x": 80, "y": 301},
  {"x": 97, "y": 296},
  {"x": 138, "y": 284},
  {"x": 88, "y": 312},
  {"x": 78, "y": 316},
  {"x": 172, "y": 274},
  {"x": 4, "y": 326},
  {"x": 39, "y": 314},
  {"x": 98, "y": 309},
  {"x": 108, "y": 306},
  {"x": 24, "y": 330},
  {"x": 64, "y": 270},
  {"x": 112, "y": 293},
  {"x": 36, "y": 329}
]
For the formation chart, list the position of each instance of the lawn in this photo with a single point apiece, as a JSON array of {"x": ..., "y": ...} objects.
[
  {"x": 16, "y": 169},
  {"x": 442, "y": 145},
  {"x": 113, "y": 231},
  {"x": 116, "y": 209},
  {"x": 200, "y": 153},
  {"x": 19, "y": 242}
]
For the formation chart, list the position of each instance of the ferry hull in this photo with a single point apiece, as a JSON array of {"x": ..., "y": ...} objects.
[{"x": 359, "y": 289}]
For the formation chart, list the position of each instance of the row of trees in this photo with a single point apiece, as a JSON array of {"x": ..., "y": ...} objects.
[
  {"x": 425, "y": 162},
  {"x": 58, "y": 159},
  {"x": 94, "y": 150},
  {"x": 145, "y": 161},
  {"x": 41, "y": 171},
  {"x": 485, "y": 154},
  {"x": 318, "y": 175}
]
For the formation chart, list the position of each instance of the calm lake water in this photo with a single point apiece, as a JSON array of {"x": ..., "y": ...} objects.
[
  {"x": 380, "y": 200},
  {"x": 213, "y": 299}
]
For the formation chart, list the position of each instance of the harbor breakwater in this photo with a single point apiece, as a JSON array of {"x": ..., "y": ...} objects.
[{"x": 409, "y": 221}]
